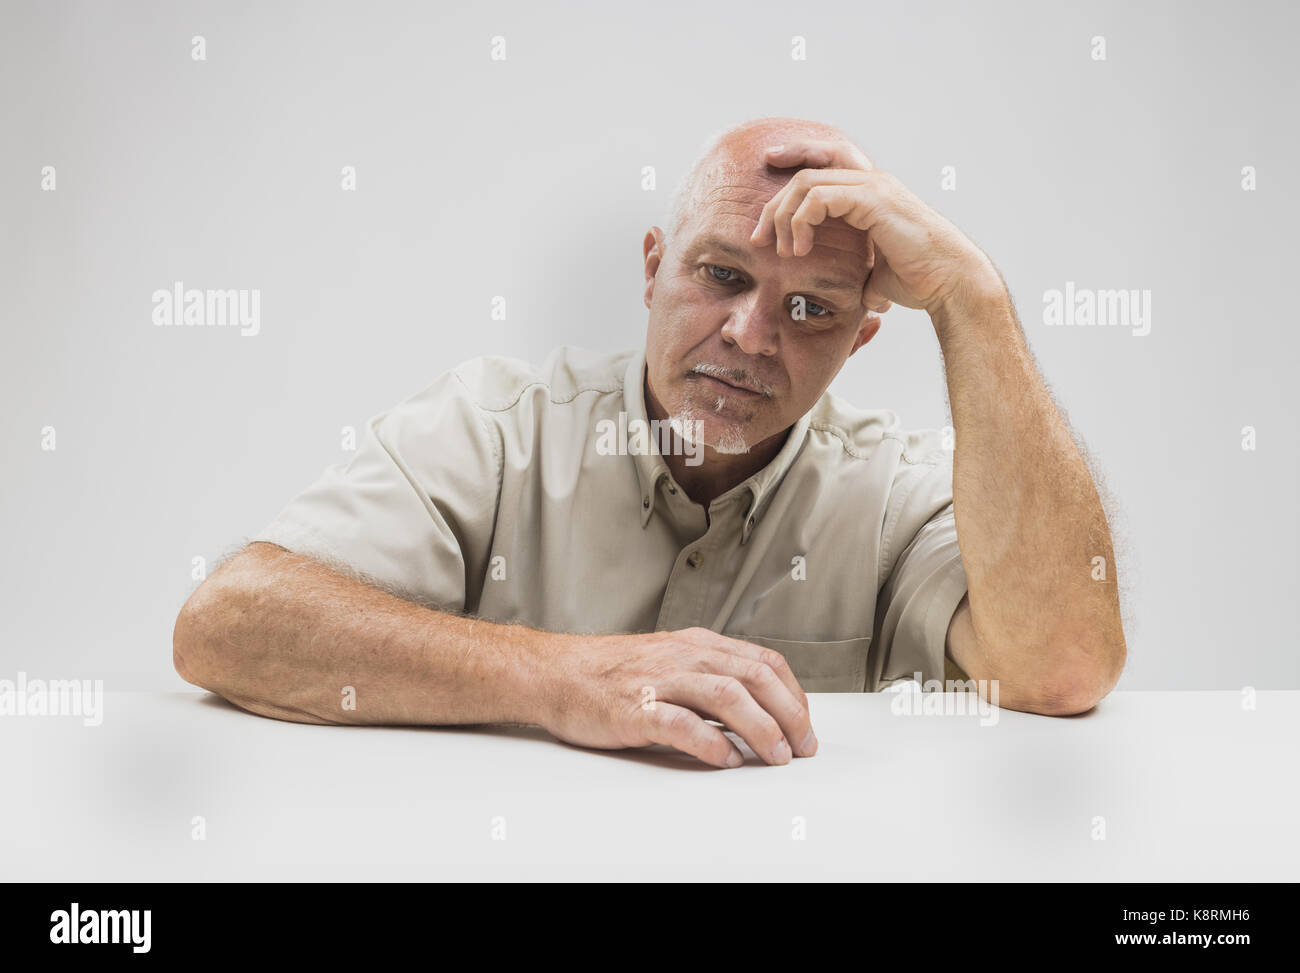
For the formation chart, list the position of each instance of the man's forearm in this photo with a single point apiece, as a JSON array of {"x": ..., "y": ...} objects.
[
  {"x": 1029, "y": 517},
  {"x": 284, "y": 636}
]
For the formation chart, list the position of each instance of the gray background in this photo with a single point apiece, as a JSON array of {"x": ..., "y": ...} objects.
[{"x": 522, "y": 178}]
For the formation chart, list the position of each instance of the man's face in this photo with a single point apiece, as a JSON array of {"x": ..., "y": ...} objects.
[{"x": 725, "y": 347}]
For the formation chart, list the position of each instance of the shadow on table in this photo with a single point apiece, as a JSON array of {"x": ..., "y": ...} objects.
[{"x": 654, "y": 756}]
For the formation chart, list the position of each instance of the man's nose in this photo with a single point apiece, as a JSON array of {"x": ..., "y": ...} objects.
[{"x": 754, "y": 328}]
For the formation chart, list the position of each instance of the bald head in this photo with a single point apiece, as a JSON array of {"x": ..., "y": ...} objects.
[{"x": 736, "y": 156}]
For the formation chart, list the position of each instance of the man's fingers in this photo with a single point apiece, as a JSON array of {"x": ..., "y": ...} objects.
[
  {"x": 774, "y": 221},
  {"x": 816, "y": 204},
  {"x": 769, "y": 657},
  {"x": 729, "y": 701},
  {"x": 817, "y": 154},
  {"x": 679, "y": 728},
  {"x": 812, "y": 197},
  {"x": 790, "y": 710}
]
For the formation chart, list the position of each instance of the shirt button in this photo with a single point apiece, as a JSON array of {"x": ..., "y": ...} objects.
[
  {"x": 645, "y": 502},
  {"x": 751, "y": 522},
  {"x": 695, "y": 559},
  {"x": 672, "y": 490}
]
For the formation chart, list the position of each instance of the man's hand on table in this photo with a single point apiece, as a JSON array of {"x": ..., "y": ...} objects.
[{"x": 620, "y": 691}]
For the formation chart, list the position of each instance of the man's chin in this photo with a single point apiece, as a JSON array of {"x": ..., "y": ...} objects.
[
  {"x": 718, "y": 434},
  {"x": 729, "y": 442}
]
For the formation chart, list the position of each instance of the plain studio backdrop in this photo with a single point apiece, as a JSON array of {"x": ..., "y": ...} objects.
[{"x": 525, "y": 178}]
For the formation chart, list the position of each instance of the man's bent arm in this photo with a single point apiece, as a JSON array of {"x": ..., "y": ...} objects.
[
  {"x": 1029, "y": 519},
  {"x": 284, "y": 636}
]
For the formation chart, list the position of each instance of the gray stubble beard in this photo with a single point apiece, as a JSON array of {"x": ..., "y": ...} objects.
[{"x": 730, "y": 441}]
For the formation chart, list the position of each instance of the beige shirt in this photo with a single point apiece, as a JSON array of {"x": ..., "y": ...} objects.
[{"x": 496, "y": 492}]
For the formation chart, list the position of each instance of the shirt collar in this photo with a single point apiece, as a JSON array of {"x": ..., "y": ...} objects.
[{"x": 651, "y": 467}]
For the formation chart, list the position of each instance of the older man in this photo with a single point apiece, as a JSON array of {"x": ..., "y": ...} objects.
[{"x": 516, "y": 544}]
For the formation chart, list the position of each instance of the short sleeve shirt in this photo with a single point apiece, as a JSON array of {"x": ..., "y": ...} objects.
[{"x": 524, "y": 494}]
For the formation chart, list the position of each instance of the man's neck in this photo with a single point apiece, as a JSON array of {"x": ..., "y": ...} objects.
[{"x": 719, "y": 472}]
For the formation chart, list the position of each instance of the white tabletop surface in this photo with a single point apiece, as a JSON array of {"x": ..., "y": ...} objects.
[{"x": 1192, "y": 786}]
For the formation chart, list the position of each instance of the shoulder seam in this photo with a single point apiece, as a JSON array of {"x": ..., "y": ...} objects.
[
  {"x": 842, "y": 435},
  {"x": 524, "y": 388}
]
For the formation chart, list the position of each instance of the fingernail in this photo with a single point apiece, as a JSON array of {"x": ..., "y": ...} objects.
[
  {"x": 782, "y": 753},
  {"x": 809, "y": 745},
  {"x": 735, "y": 760},
  {"x": 775, "y": 148}
]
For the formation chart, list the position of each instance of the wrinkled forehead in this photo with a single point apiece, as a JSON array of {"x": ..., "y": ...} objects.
[{"x": 730, "y": 208}]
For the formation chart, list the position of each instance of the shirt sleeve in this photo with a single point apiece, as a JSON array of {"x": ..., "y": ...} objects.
[
  {"x": 926, "y": 580},
  {"x": 414, "y": 509}
]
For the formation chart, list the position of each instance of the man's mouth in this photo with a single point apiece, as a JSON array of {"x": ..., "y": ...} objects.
[
  {"x": 727, "y": 388},
  {"x": 724, "y": 381}
]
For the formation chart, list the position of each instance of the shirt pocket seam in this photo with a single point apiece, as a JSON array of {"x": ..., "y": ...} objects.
[{"x": 847, "y": 665}]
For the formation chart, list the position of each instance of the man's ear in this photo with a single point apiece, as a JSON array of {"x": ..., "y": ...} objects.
[
  {"x": 654, "y": 255},
  {"x": 870, "y": 325}
]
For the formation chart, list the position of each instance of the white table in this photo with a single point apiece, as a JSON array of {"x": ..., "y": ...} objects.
[{"x": 1191, "y": 785}]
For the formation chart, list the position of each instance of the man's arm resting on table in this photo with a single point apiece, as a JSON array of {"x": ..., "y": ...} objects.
[{"x": 282, "y": 635}]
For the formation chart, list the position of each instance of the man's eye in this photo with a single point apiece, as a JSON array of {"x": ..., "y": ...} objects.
[{"x": 811, "y": 308}]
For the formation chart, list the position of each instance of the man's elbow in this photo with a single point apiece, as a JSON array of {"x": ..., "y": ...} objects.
[
  {"x": 1079, "y": 683},
  {"x": 197, "y": 635},
  {"x": 188, "y": 651}
]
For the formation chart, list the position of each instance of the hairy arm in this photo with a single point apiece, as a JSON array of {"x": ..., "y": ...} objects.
[
  {"x": 282, "y": 635},
  {"x": 1029, "y": 521}
]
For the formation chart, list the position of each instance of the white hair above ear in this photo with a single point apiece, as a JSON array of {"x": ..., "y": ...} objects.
[{"x": 684, "y": 196}]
